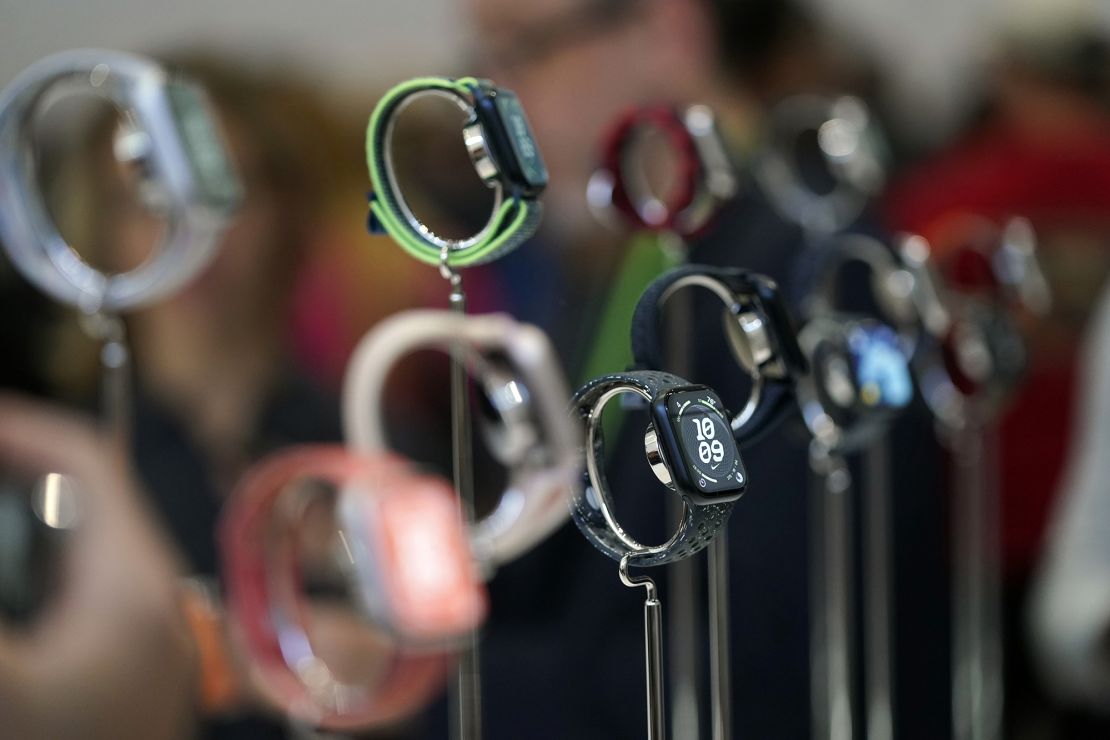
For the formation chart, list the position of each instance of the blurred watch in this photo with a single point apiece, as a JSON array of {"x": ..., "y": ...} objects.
[
  {"x": 524, "y": 415},
  {"x": 169, "y": 134}
]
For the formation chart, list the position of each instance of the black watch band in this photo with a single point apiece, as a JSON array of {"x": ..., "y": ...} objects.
[
  {"x": 700, "y": 523},
  {"x": 776, "y": 396}
]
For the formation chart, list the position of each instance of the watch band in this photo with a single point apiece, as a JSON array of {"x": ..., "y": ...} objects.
[
  {"x": 779, "y": 362},
  {"x": 850, "y": 146},
  {"x": 704, "y": 177},
  {"x": 533, "y": 504},
  {"x": 591, "y": 508},
  {"x": 196, "y": 212},
  {"x": 265, "y": 605},
  {"x": 221, "y": 685},
  {"x": 982, "y": 255},
  {"x": 911, "y": 297},
  {"x": 837, "y": 427},
  {"x": 514, "y": 219}
]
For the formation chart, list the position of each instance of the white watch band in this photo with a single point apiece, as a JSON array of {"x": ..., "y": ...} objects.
[{"x": 535, "y": 500}]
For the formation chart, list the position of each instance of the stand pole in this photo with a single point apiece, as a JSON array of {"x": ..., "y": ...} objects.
[
  {"x": 831, "y": 656},
  {"x": 653, "y": 651},
  {"x": 977, "y": 654},
  {"x": 878, "y": 556},
  {"x": 466, "y": 686},
  {"x": 682, "y": 576},
  {"x": 720, "y": 669}
]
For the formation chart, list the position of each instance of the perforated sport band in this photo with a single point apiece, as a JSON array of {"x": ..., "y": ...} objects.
[{"x": 699, "y": 525}]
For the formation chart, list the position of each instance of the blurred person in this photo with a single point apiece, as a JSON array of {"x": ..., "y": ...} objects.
[
  {"x": 224, "y": 370},
  {"x": 1041, "y": 150},
  {"x": 109, "y": 657},
  {"x": 1070, "y": 606}
]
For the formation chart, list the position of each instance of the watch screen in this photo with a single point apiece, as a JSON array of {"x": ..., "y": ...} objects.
[
  {"x": 520, "y": 138},
  {"x": 204, "y": 146},
  {"x": 882, "y": 370},
  {"x": 705, "y": 440}
]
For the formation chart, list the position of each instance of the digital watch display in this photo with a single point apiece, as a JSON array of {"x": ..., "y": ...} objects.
[
  {"x": 697, "y": 442},
  {"x": 882, "y": 374},
  {"x": 510, "y": 138},
  {"x": 217, "y": 184}
]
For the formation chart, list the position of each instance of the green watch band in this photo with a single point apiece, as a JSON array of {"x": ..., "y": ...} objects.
[{"x": 515, "y": 216}]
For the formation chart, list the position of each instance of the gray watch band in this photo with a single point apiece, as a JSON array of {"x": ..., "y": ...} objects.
[{"x": 591, "y": 508}]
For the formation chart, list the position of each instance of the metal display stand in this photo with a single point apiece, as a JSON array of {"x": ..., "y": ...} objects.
[
  {"x": 977, "y": 621},
  {"x": 115, "y": 368},
  {"x": 684, "y": 634},
  {"x": 832, "y": 653},
  {"x": 878, "y": 597},
  {"x": 653, "y": 650},
  {"x": 466, "y": 685}
]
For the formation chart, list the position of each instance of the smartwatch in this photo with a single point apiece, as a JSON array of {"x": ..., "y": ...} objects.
[
  {"x": 999, "y": 261},
  {"x": 525, "y": 423},
  {"x": 171, "y": 136},
  {"x": 910, "y": 298},
  {"x": 757, "y": 326},
  {"x": 859, "y": 380},
  {"x": 994, "y": 271},
  {"x": 261, "y": 538},
  {"x": 822, "y": 161},
  {"x": 984, "y": 352},
  {"x": 704, "y": 176},
  {"x": 502, "y": 149},
  {"x": 690, "y": 449}
]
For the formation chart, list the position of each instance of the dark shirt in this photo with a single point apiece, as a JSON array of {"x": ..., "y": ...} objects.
[
  {"x": 188, "y": 500},
  {"x": 563, "y": 654}
]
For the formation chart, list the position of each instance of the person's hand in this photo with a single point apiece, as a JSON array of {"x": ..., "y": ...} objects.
[{"x": 110, "y": 656}]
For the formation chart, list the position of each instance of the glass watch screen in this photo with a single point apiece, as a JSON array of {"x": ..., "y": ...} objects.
[
  {"x": 882, "y": 370},
  {"x": 704, "y": 440},
  {"x": 523, "y": 143},
  {"x": 204, "y": 147}
]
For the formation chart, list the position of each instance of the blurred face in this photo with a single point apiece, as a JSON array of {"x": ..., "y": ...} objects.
[{"x": 576, "y": 64}]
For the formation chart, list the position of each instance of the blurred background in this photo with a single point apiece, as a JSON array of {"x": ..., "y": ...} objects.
[{"x": 994, "y": 108}]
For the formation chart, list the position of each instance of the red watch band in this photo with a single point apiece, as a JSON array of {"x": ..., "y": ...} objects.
[
  {"x": 615, "y": 149},
  {"x": 266, "y": 603}
]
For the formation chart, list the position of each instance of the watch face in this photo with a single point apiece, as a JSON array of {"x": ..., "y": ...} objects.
[
  {"x": 212, "y": 170},
  {"x": 708, "y": 464},
  {"x": 521, "y": 140},
  {"x": 881, "y": 367}
]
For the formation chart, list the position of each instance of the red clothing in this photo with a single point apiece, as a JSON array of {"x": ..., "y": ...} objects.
[{"x": 1059, "y": 182}]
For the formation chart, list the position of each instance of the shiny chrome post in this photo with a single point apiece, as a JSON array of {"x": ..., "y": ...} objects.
[
  {"x": 831, "y": 649},
  {"x": 115, "y": 373},
  {"x": 653, "y": 649},
  {"x": 977, "y": 651},
  {"x": 879, "y": 601},
  {"x": 682, "y": 576},
  {"x": 466, "y": 686}
]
